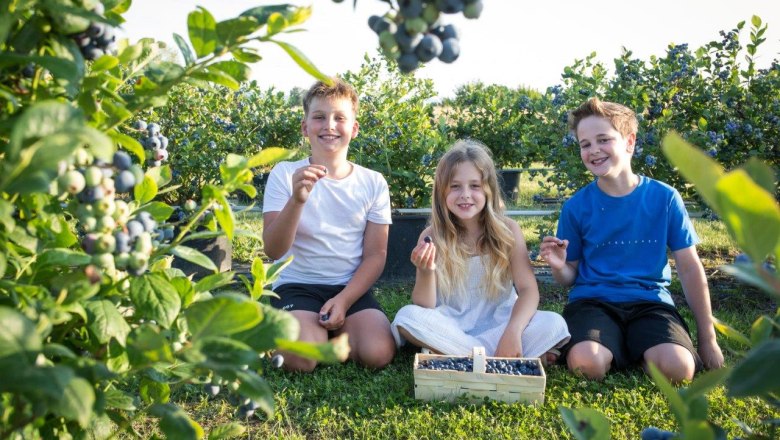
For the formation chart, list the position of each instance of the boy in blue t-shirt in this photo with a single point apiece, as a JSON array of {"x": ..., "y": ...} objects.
[{"x": 611, "y": 246}]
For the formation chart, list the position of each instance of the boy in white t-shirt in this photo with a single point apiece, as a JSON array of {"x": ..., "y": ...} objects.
[{"x": 333, "y": 216}]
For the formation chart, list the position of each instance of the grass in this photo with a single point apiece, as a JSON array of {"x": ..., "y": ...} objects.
[{"x": 348, "y": 401}]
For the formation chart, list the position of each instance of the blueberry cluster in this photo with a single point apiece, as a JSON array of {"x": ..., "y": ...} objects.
[
  {"x": 414, "y": 34},
  {"x": 515, "y": 367},
  {"x": 98, "y": 39},
  {"x": 116, "y": 239},
  {"x": 453, "y": 364},
  {"x": 155, "y": 144}
]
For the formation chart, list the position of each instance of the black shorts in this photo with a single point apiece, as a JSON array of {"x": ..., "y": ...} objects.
[
  {"x": 627, "y": 329},
  {"x": 311, "y": 297}
]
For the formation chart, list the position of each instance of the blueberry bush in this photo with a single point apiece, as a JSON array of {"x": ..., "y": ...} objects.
[
  {"x": 96, "y": 328},
  {"x": 400, "y": 133},
  {"x": 211, "y": 121},
  {"x": 745, "y": 199},
  {"x": 705, "y": 95}
]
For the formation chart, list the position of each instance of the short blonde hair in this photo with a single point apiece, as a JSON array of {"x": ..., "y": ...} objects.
[
  {"x": 338, "y": 89},
  {"x": 621, "y": 117}
]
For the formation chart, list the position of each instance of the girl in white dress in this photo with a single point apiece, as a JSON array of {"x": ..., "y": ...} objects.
[{"x": 474, "y": 284}]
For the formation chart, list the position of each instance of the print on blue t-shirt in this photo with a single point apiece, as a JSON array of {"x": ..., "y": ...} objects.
[{"x": 621, "y": 242}]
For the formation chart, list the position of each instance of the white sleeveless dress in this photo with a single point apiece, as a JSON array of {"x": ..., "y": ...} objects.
[{"x": 470, "y": 320}]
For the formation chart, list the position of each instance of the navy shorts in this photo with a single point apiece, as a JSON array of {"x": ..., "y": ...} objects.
[
  {"x": 627, "y": 329},
  {"x": 311, "y": 297}
]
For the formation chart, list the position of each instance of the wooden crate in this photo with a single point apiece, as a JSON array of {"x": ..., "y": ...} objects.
[{"x": 450, "y": 385}]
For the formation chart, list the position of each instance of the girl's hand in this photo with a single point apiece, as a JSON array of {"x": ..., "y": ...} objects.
[
  {"x": 424, "y": 255},
  {"x": 332, "y": 314},
  {"x": 553, "y": 251},
  {"x": 510, "y": 345},
  {"x": 303, "y": 180}
]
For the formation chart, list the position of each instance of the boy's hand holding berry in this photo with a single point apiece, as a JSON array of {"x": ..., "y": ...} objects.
[
  {"x": 332, "y": 314},
  {"x": 303, "y": 181},
  {"x": 553, "y": 251}
]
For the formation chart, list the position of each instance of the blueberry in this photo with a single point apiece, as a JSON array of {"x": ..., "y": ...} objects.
[
  {"x": 244, "y": 412},
  {"x": 153, "y": 129},
  {"x": 211, "y": 389},
  {"x": 277, "y": 360},
  {"x": 653, "y": 433},
  {"x": 429, "y": 48},
  {"x": 125, "y": 181},
  {"x": 450, "y": 50},
  {"x": 139, "y": 125},
  {"x": 122, "y": 160},
  {"x": 325, "y": 317},
  {"x": 743, "y": 259},
  {"x": 427, "y": 239},
  {"x": 408, "y": 62}
]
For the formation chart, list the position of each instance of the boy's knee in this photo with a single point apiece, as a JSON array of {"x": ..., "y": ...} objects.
[
  {"x": 675, "y": 362},
  {"x": 378, "y": 356},
  {"x": 299, "y": 364},
  {"x": 583, "y": 360}
]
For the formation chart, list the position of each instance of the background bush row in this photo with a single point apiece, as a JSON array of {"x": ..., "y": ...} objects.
[{"x": 731, "y": 110}]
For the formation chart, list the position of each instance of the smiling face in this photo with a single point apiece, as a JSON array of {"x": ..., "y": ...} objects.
[
  {"x": 330, "y": 125},
  {"x": 604, "y": 151},
  {"x": 465, "y": 194}
]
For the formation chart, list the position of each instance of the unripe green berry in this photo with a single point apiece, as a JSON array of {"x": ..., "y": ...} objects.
[
  {"x": 105, "y": 224},
  {"x": 93, "y": 176},
  {"x": 72, "y": 182}
]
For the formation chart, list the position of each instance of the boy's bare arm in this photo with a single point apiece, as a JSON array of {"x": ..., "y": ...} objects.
[
  {"x": 369, "y": 270},
  {"x": 697, "y": 294},
  {"x": 279, "y": 229}
]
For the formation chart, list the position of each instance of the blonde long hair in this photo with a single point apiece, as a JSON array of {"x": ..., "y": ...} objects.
[{"x": 496, "y": 241}]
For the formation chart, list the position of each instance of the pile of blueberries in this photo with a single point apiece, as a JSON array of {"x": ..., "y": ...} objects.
[
  {"x": 98, "y": 39},
  {"x": 516, "y": 367},
  {"x": 414, "y": 34},
  {"x": 155, "y": 144}
]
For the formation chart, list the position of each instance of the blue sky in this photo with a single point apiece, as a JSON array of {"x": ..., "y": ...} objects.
[{"x": 514, "y": 42}]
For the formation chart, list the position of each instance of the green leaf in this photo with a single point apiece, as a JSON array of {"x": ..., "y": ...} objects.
[
  {"x": 175, "y": 423},
  {"x": 273, "y": 271},
  {"x": 226, "y": 353},
  {"x": 222, "y": 316},
  {"x": 698, "y": 429},
  {"x": 705, "y": 382},
  {"x": 269, "y": 156},
  {"x": 194, "y": 256},
  {"x": 237, "y": 70},
  {"x": 227, "y": 431},
  {"x": 586, "y": 423},
  {"x": 696, "y": 166},
  {"x": 730, "y": 332},
  {"x": 334, "y": 351},
  {"x": 19, "y": 341},
  {"x": 276, "y": 23},
  {"x": 747, "y": 273},
  {"x": 203, "y": 31},
  {"x": 755, "y": 21},
  {"x": 276, "y": 324},
  {"x": 189, "y": 59},
  {"x": 146, "y": 190},
  {"x": 750, "y": 213},
  {"x": 761, "y": 329},
  {"x": 159, "y": 210},
  {"x": 105, "y": 321},
  {"x": 146, "y": 346},
  {"x": 761, "y": 173},
  {"x": 214, "y": 281},
  {"x": 257, "y": 389},
  {"x": 128, "y": 143},
  {"x": 76, "y": 402},
  {"x": 131, "y": 53},
  {"x": 702, "y": 124},
  {"x": 106, "y": 62},
  {"x": 59, "y": 67},
  {"x": 676, "y": 404},
  {"x": 756, "y": 374},
  {"x": 63, "y": 257},
  {"x": 301, "y": 60},
  {"x": 162, "y": 175},
  {"x": 233, "y": 30},
  {"x": 40, "y": 120},
  {"x": 154, "y": 391},
  {"x": 155, "y": 298},
  {"x": 216, "y": 76},
  {"x": 246, "y": 55},
  {"x": 262, "y": 13},
  {"x": 224, "y": 216},
  {"x": 118, "y": 399}
]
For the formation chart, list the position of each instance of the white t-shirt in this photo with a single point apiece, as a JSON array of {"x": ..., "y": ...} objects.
[{"x": 328, "y": 245}]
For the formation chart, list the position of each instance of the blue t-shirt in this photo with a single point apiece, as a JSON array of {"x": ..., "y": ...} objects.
[{"x": 621, "y": 242}]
